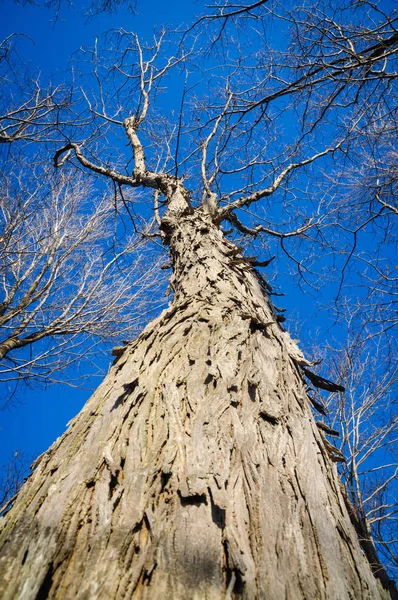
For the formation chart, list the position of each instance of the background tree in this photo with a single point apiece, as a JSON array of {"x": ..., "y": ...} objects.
[
  {"x": 66, "y": 283},
  {"x": 197, "y": 467},
  {"x": 94, "y": 8},
  {"x": 28, "y": 112},
  {"x": 12, "y": 476},
  {"x": 69, "y": 282},
  {"x": 366, "y": 418},
  {"x": 369, "y": 424}
]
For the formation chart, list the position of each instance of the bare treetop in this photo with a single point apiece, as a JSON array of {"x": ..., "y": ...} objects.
[{"x": 260, "y": 117}]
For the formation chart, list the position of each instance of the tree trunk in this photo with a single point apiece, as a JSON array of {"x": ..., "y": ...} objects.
[{"x": 196, "y": 470}]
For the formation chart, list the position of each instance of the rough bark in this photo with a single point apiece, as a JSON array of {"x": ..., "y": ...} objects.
[{"x": 196, "y": 469}]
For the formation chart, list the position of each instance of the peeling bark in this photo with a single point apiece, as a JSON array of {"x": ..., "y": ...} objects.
[{"x": 196, "y": 469}]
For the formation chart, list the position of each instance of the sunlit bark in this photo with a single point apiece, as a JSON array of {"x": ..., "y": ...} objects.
[{"x": 196, "y": 469}]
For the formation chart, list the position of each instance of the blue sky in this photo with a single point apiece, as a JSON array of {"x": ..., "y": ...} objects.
[{"x": 53, "y": 42}]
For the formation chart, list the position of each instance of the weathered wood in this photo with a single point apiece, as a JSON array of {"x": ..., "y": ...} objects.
[
  {"x": 317, "y": 405},
  {"x": 196, "y": 470},
  {"x": 321, "y": 382},
  {"x": 328, "y": 430}
]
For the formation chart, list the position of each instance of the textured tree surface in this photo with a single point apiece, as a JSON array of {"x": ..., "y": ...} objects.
[{"x": 196, "y": 469}]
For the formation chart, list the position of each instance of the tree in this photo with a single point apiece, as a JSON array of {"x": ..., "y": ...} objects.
[
  {"x": 95, "y": 7},
  {"x": 28, "y": 112},
  {"x": 65, "y": 285},
  {"x": 68, "y": 285},
  {"x": 12, "y": 476},
  {"x": 369, "y": 423},
  {"x": 364, "y": 419},
  {"x": 197, "y": 468}
]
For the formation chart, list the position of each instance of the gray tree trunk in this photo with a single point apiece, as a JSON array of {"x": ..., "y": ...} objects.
[{"x": 196, "y": 470}]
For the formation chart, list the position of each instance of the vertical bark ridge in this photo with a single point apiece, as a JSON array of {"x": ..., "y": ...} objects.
[{"x": 196, "y": 469}]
